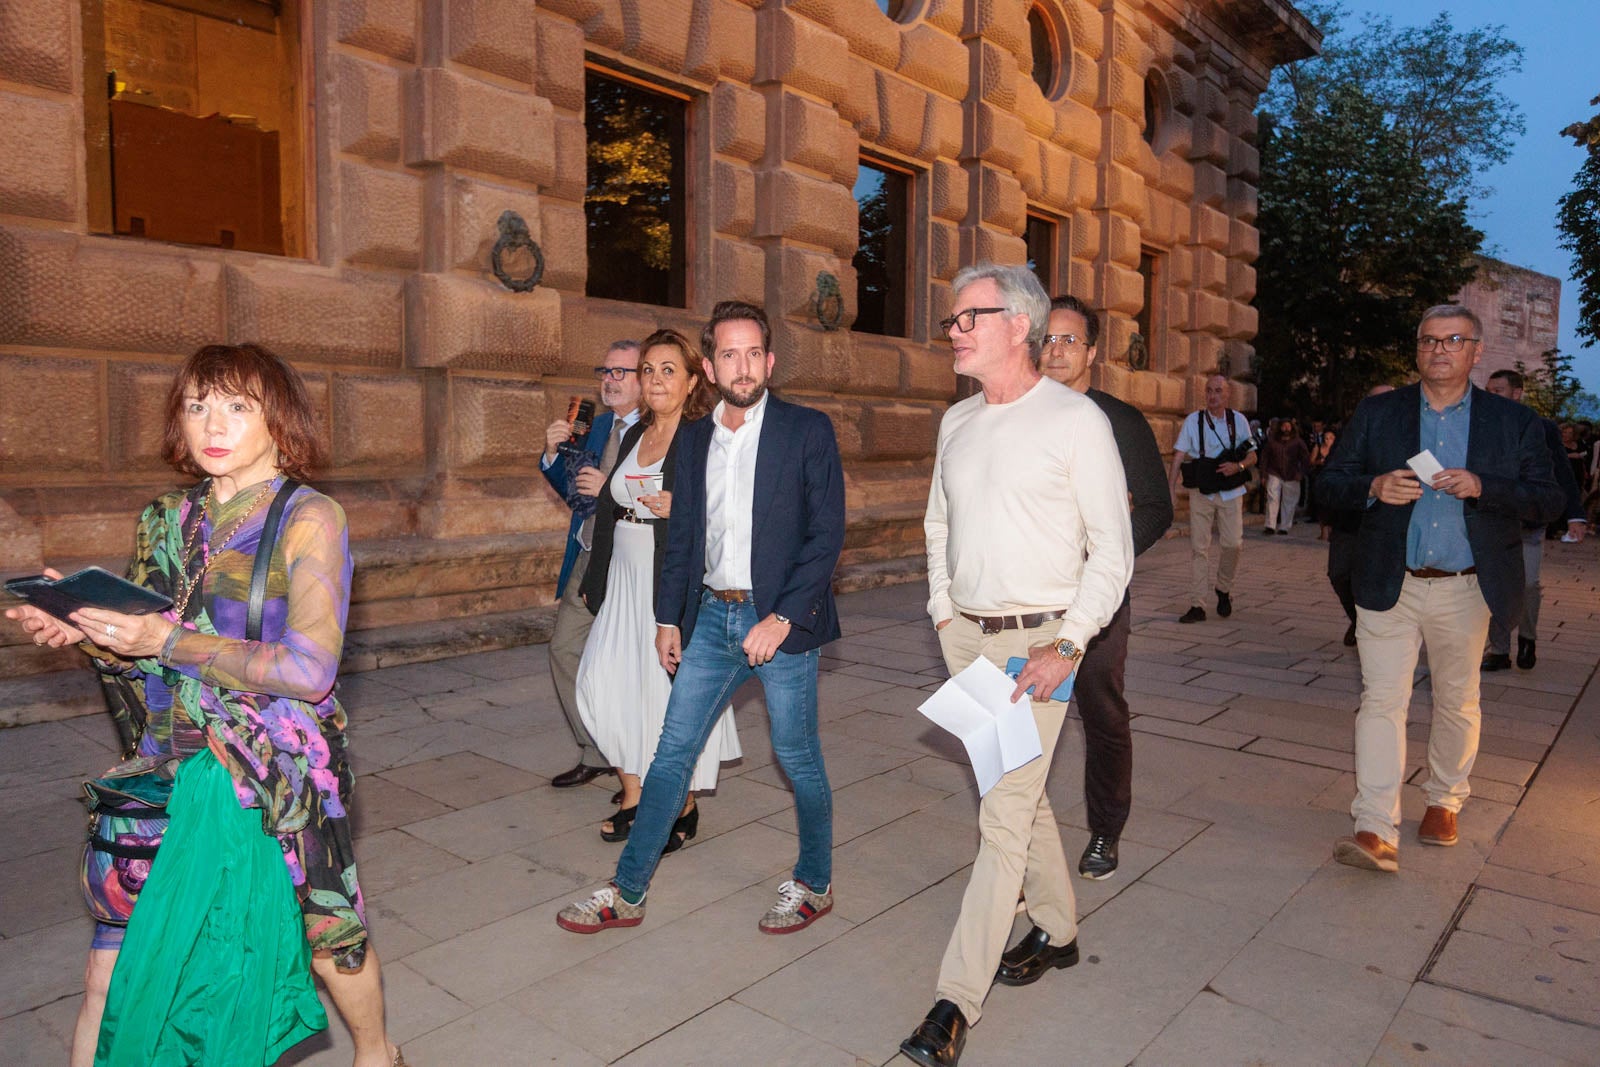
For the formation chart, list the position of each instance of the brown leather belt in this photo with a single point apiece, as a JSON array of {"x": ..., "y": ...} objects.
[
  {"x": 993, "y": 624},
  {"x": 1434, "y": 572},
  {"x": 732, "y": 596}
]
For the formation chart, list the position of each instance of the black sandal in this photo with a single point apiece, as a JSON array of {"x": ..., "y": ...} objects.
[
  {"x": 682, "y": 830},
  {"x": 621, "y": 825}
]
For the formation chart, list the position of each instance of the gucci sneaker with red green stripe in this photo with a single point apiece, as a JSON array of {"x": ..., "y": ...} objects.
[
  {"x": 602, "y": 911},
  {"x": 797, "y": 908}
]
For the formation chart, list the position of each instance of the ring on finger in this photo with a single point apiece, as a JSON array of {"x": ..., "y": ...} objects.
[{"x": 111, "y": 631}]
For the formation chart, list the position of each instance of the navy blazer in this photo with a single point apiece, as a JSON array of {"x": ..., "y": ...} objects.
[
  {"x": 598, "y": 577},
  {"x": 1505, "y": 448},
  {"x": 797, "y": 526},
  {"x": 556, "y": 475}
]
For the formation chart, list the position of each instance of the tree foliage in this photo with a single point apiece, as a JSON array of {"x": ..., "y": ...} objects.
[
  {"x": 1578, "y": 218},
  {"x": 1552, "y": 389},
  {"x": 1357, "y": 238}
]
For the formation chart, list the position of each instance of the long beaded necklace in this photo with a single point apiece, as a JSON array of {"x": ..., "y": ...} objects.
[{"x": 192, "y": 543}]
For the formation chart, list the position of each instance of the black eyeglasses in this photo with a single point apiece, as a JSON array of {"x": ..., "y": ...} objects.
[
  {"x": 966, "y": 320},
  {"x": 1454, "y": 343},
  {"x": 616, "y": 374},
  {"x": 1067, "y": 339}
]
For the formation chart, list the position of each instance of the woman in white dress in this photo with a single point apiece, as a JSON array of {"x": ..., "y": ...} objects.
[{"x": 622, "y": 688}]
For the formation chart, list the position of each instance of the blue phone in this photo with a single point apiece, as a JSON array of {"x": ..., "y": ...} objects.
[{"x": 1063, "y": 691}]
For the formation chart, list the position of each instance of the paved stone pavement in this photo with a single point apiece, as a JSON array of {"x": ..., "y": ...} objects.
[{"x": 1228, "y": 936}]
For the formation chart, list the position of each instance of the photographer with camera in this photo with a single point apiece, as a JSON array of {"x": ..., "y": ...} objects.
[{"x": 1213, "y": 456}]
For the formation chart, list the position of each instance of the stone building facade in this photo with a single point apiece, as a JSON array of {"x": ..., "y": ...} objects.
[
  {"x": 1109, "y": 140},
  {"x": 1519, "y": 308}
]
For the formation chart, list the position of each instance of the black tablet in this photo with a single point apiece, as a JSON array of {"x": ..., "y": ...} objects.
[{"x": 92, "y": 587}]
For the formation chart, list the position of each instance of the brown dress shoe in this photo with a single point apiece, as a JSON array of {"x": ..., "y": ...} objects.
[
  {"x": 1368, "y": 851},
  {"x": 1438, "y": 827}
]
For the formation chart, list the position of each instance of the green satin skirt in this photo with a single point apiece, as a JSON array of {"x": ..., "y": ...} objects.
[{"x": 215, "y": 968}]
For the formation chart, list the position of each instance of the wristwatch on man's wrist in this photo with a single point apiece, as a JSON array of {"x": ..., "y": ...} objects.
[
  {"x": 781, "y": 619},
  {"x": 1067, "y": 648}
]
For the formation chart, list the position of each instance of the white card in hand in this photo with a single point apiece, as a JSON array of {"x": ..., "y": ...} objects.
[{"x": 1426, "y": 465}]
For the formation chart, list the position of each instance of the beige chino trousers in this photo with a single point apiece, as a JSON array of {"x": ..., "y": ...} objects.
[
  {"x": 1447, "y": 615},
  {"x": 1229, "y": 517},
  {"x": 1019, "y": 846}
]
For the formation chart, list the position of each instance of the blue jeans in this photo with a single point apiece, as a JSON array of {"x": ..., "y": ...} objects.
[{"x": 714, "y": 665}]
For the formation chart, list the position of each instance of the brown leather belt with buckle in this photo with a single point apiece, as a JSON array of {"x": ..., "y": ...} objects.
[
  {"x": 993, "y": 624},
  {"x": 1434, "y": 572},
  {"x": 732, "y": 596}
]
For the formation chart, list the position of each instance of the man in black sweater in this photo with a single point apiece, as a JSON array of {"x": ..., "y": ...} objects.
[{"x": 1067, "y": 354}]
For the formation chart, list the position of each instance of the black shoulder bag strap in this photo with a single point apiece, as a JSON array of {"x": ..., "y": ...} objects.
[{"x": 263, "y": 564}]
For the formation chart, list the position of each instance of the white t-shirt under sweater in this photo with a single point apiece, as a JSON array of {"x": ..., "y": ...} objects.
[{"x": 1028, "y": 511}]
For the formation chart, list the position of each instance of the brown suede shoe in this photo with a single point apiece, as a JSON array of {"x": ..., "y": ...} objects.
[
  {"x": 1438, "y": 827},
  {"x": 1368, "y": 851}
]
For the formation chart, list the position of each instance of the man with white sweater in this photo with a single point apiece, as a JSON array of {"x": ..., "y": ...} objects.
[{"x": 1030, "y": 549}]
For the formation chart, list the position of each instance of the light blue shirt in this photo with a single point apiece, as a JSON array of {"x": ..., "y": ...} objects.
[{"x": 1437, "y": 536}]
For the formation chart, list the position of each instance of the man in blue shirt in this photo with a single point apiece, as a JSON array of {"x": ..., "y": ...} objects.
[{"x": 1435, "y": 561}]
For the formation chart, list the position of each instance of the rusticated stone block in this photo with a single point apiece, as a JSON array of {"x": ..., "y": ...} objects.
[
  {"x": 36, "y": 43},
  {"x": 1000, "y": 136},
  {"x": 859, "y": 105},
  {"x": 1164, "y": 220},
  {"x": 1124, "y": 289},
  {"x": 803, "y": 55},
  {"x": 1210, "y": 270},
  {"x": 722, "y": 41},
  {"x": 1210, "y": 313},
  {"x": 1204, "y": 351},
  {"x": 388, "y": 27},
  {"x": 560, "y": 63},
  {"x": 934, "y": 59},
  {"x": 738, "y": 270},
  {"x": 997, "y": 247},
  {"x": 493, "y": 35},
  {"x": 810, "y": 133},
  {"x": 1210, "y": 228},
  {"x": 1210, "y": 183},
  {"x": 1177, "y": 361},
  {"x": 1244, "y": 242},
  {"x": 1241, "y": 280},
  {"x": 137, "y": 414},
  {"x": 1055, "y": 178},
  {"x": 949, "y": 191},
  {"x": 1081, "y": 277},
  {"x": 877, "y": 40},
  {"x": 39, "y": 143},
  {"x": 589, "y": 327},
  {"x": 899, "y": 431},
  {"x": 50, "y": 415},
  {"x": 941, "y": 129},
  {"x": 998, "y": 74},
  {"x": 928, "y": 371},
  {"x": 1244, "y": 161},
  {"x": 377, "y": 422},
  {"x": 1243, "y": 201},
  {"x": 733, "y": 199},
  {"x": 466, "y": 123},
  {"x": 657, "y": 31},
  {"x": 1209, "y": 142},
  {"x": 368, "y": 115},
  {"x": 304, "y": 312},
  {"x": 1124, "y": 192},
  {"x": 874, "y": 365},
  {"x": 1085, "y": 235},
  {"x": 380, "y": 216},
  {"x": 1000, "y": 200},
  {"x": 902, "y": 109},
  {"x": 1242, "y": 322},
  {"x": 845, "y": 163},
  {"x": 495, "y": 422},
  {"x": 738, "y": 122},
  {"x": 61, "y": 290},
  {"x": 1124, "y": 241},
  {"x": 798, "y": 269},
  {"x": 846, "y": 419},
  {"x": 810, "y": 358},
  {"x": 944, "y": 249},
  {"x": 572, "y": 162},
  {"x": 1180, "y": 267},
  {"x": 472, "y": 208},
  {"x": 565, "y": 237},
  {"x": 791, "y": 204},
  {"x": 464, "y": 323}
]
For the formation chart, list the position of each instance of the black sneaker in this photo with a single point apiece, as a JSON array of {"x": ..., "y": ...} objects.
[
  {"x": 1527, "y": 654},
  {"x": 1194, "y": 614},
  {"x": 1267, "y": 531},
  {"x": 1099, "y": 860},
  {"x": 1224, "y": 604},
  {"x": 1495, "y": 661}
]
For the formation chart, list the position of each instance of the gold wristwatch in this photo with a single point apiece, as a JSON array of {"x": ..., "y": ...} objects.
[{"x": 1066, "y": 648}]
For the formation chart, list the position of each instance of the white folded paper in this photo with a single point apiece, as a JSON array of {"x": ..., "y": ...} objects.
[
  {"x": 976, "y": 706},
  {"x": 1426, "y": 465}
]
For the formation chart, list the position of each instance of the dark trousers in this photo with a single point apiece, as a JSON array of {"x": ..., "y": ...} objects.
[
  {"x": 1107, "y": 742},
  {"x": 1342, "y": 567}
]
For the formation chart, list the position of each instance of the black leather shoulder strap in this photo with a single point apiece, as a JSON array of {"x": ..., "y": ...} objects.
[{"x": 263, "y": 564}]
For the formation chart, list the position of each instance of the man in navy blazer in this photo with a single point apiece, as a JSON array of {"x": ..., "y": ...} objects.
[
  {"x": 756, "y": 529},
  {"x": 619, "y": 392},
  {"x": 1434, "y": 563}
]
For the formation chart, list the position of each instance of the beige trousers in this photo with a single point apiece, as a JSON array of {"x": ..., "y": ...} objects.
[
  {"x": 570, "y": 634},
  {"x": 1449, "y": 616},
  {"x": 1020, "y": 845},
  {"x": 1229, "y": 517}
]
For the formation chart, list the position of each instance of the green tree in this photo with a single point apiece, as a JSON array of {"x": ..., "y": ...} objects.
[
  {"x": 1552, "y": 389},
  {"x": 1357, "y": 237},
  {"x": 1578, "y": 218}
]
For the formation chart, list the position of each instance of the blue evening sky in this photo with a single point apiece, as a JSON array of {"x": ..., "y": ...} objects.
[{"x": 1560, "y": 75}]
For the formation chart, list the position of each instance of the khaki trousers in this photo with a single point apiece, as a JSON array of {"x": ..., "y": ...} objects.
[
  {"x": 1449, "y": 616},
  {"x": 1229, "y": 517},
  {"x": 1020, "y": 845},
  {"x": 567, "y": 639}
]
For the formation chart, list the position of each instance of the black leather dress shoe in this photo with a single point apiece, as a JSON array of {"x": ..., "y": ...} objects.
[
  {"x": 1495, "y": 661},
  {"x": 1032, "y": 956},
  {"x": 1527, "y": 653},
  {"x": 939, "y": 1038},
  {"x": 582, "y": 774},
  {"x": 1224, "y": 604},
  {"x": 1194, "y": 614}
]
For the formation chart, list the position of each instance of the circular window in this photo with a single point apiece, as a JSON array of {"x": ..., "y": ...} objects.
[
  {"x": 893, "y": 8},
  {"x": 1155, "y": 103},
  {"x": 1042, "y": 42}
]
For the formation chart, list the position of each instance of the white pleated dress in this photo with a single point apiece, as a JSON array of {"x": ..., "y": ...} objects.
[{"x": 622, "y": 688}]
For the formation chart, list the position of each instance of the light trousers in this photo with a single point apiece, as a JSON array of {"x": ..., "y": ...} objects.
[
  {"x": 567, "y": 638},
  {"x": 1228, "y": 515},
  {"x": 1528, "y": 626},
  {"x": 1282, "y": 498},
  {"x": 1449, "y": 616},
  {"x": 1019, "y": 846}
]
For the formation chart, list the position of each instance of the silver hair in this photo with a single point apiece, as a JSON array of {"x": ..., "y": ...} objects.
[
  {"x": 618, "y": 346},
  {"x": 1020, "y": 294},
  {"x": 1452, "y": 311}
]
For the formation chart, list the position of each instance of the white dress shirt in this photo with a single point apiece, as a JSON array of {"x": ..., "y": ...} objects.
[{"x": 730, "y": 497}]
